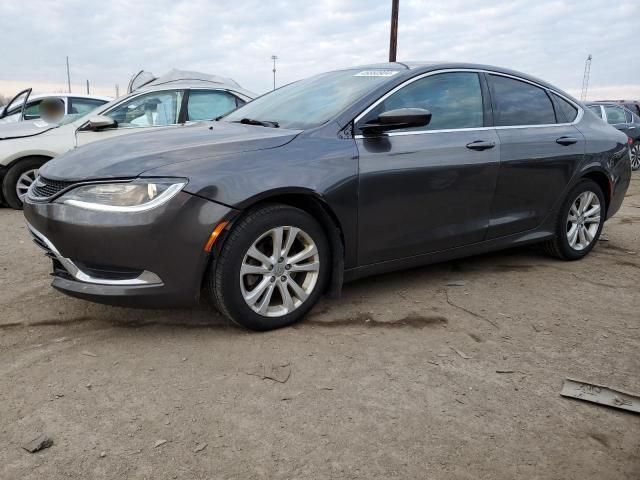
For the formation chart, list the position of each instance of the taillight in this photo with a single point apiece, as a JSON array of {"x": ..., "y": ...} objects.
[{"x": 630, "y": 141}]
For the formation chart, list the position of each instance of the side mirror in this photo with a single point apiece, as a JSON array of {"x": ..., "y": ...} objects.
[
  {"x": 398, "y": 119},
  {"x": 100, "y": 122}
]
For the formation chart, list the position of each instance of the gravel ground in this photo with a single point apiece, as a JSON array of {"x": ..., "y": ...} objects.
[{"x": 398, "y": 379}]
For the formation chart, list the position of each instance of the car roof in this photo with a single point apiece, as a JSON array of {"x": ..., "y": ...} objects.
[
  {"x": 430, "y": 65},
  {"x": 187, "y": 79},
  {"x": 75, "y": 95}
]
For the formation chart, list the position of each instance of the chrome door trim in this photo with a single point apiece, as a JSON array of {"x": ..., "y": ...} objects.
[{"x": 471, "y": 70}]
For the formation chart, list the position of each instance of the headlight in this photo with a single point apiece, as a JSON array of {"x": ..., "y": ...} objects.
[{"x": 135, "y": 196}]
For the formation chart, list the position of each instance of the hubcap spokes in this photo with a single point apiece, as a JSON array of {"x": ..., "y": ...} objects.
[
  {"x": 583, "y": 220},
  {"x": 635, "y": 156},
  {"x": 279, "y": 271},
  {"x": 24, "y": 182}
]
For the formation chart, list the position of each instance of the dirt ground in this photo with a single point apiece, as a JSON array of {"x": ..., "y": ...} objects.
[{"x": 397, "y": 380}]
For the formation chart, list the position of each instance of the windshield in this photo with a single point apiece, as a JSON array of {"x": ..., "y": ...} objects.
[{"x": 311, "y": 102}]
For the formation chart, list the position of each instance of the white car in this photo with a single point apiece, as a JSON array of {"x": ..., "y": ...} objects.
[
  {"x": 170, "y": 101},
  {"x": 74, "y": 103}
]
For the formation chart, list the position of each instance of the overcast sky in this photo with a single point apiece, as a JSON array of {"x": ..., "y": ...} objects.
[{"x": 108, "y": 41}]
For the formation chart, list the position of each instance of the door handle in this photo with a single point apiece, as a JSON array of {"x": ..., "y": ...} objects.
[
  {"x": 481, "y": 145},
  {"x": 566, "y": 141}
]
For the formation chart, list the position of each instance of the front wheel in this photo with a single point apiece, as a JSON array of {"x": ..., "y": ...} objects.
[
  {"x": 580, "y": 222},
  {"x": 18, "y": 179},
  {"x": 635, "y": 155},
  {"x": 272, "y": 269}
]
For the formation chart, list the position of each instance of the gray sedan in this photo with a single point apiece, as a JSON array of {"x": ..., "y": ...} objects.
[{"x": 346, "y": 174}]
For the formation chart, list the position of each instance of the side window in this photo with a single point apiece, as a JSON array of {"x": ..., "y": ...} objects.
[
  {"x": 209, "y": 104},
  {"x": 454, "y": 100},
  {"x": 614, "y": 114},
  {"x": 148, "y": 110},
  {"x": 83, "y": 105},
  {"x": 520, "y": 103},
  {"x": 596, "y": 109},
  {"x": 627, "y": 116},
  {"x": 32, "y": 111},
  {"x": 567, "y": 112}
]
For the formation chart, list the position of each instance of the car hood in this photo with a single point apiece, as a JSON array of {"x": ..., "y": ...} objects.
[
  {"x": 131, "y": 155},
  {"x": 28, "y": 128}
]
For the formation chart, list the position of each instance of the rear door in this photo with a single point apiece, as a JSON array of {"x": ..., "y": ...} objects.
[
  {"x": 540, "y": 149},
  {"x": 429, "y": 188}
]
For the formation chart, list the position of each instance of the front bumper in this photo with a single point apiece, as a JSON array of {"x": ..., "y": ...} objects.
[{"x": 153, "y": 258}]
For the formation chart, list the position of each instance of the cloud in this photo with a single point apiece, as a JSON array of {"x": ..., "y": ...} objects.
[{"x": 108, "y": 41}]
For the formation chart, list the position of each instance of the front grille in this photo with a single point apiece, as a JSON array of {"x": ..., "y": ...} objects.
[{"x": 45, "y": 188}]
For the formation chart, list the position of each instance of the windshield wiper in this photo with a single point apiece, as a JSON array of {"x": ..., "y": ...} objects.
[{"x": 262, "y": 123}]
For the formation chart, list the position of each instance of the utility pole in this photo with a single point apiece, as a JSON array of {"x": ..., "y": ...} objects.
[
  {"x": 393, "y": 41},
  {"x": 68, "y": 77},
  {"x": 117, "y": 90},
  {"x": 585, "y": 78},
  {"x": 274, "y": 58},
  {"x": 87, "y": 87}
]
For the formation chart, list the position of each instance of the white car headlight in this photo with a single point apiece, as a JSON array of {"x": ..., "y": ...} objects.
[{"x": 135, "y": 196}]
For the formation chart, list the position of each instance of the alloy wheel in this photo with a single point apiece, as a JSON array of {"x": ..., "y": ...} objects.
[
  {"x": 583, "y": 220},
  {"x": 635, "y": 156},
  {"x": 24, "y": 182},
  {"x": 279, "y": 271}
]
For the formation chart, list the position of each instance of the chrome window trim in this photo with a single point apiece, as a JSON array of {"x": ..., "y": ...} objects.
[
  {"x": 470, "y": 70},
  {"x": 145, "y": 278}
]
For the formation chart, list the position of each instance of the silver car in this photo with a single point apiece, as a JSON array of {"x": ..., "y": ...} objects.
[{"x": 169, "y": 101}]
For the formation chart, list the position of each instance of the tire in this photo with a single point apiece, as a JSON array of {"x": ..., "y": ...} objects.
[
  {"x": 561, "y": 245},
  {"x": 237, "y": 275},
  {"x": 14, "y": 174},
  {"x": 635, "y": 155}
]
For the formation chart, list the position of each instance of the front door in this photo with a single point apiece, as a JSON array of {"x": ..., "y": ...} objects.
[
  {"x": 140, "y": 113},
  {"x": 429, "y": 188}
]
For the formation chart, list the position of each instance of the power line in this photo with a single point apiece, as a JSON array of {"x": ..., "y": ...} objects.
[{"x": 585, "y": 78}]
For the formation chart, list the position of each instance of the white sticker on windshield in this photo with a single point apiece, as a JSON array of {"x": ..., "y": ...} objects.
[{"x": 376, "y": 73}]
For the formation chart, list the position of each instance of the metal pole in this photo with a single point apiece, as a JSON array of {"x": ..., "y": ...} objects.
[
  {"x": 393, "y": 41},
  {"x": 87, "y": 87},
  {"x": 68, "y": 77},
  {"x": 117, "y": 90},
  {"x": 274, "y": 58}
]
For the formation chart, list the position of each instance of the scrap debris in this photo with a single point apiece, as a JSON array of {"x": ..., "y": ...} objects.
[
  {"x": 277, "y": 373},
  {"x": 462, "y": 354},
  {"x": 599, "y": 394},
  {"x": 39, "y": 443},
  {"x": 159, "y": 442}
]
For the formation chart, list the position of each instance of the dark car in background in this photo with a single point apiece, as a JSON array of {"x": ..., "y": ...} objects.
[
  {"x": 346, "y": 174},
  {"x": 633, "y": 105},
  {"x": 624, "y": 120}
]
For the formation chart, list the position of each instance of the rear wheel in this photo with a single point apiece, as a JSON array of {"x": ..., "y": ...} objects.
[
  {"x": 635, "y": 155},
  {"x": 18, "y": 179},
  {"x": 272, "y": 269},
  {"x": 580, "y": 222}
]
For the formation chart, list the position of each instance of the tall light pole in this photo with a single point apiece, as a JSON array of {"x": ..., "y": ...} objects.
[
  {"x": 393, "y": 41},
  {"x": 274, "y": 58}
]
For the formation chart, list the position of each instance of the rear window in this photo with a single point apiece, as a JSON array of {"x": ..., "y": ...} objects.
[
  {"x": 567, "y": 112},
  {"x": 520, "y": 103},
  {"x": 596, "y": 109}
]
